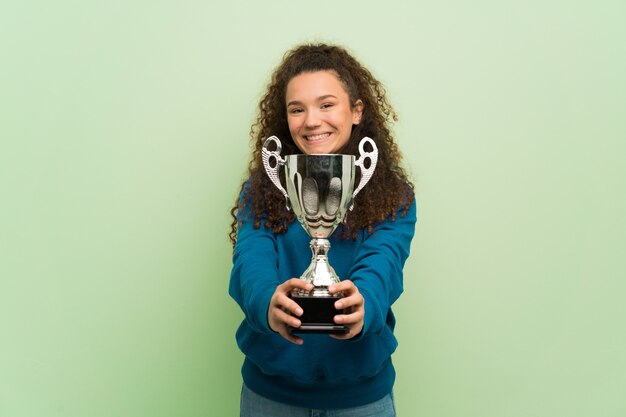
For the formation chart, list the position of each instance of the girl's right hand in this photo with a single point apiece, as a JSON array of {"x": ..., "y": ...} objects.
[{"x": 278, "y": 314}]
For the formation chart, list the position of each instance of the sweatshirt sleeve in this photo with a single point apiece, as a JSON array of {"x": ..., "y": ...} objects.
[
  {"x": 254, "y": 276},
  {"x": 377, "y": 271}
]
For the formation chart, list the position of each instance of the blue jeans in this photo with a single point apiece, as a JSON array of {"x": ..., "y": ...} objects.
[{"x": 254, "y": 405}]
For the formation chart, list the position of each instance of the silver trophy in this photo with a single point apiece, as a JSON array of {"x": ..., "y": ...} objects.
[{"x": 320, "y": 192}]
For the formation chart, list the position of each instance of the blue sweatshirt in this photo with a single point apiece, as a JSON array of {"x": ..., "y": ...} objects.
[{"x": 323, "y": 372}]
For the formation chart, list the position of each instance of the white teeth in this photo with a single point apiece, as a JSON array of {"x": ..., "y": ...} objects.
[{"x": 318, "y": 137}]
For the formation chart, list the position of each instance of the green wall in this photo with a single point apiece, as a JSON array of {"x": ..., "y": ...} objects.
[{"x": 124, "y": 138}]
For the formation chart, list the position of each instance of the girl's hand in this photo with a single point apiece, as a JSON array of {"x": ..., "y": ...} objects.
[
  {"x": 352, "y": 298},
  {"x": 281, "y": 305}
]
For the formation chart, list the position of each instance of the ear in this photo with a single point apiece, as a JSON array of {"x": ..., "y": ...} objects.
[{"x": 357, "y": 112}]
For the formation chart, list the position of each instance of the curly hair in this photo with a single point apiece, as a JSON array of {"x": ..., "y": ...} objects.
[{"x": 388, "y": 192}]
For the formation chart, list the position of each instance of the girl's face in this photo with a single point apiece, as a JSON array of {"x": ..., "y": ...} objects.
[{"x": 319, "y": 112}]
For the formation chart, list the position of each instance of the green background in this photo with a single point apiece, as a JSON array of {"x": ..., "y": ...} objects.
[{"x": 124, "y": 138}]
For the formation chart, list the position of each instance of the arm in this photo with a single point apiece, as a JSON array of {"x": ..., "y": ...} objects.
[
  {"x": 254, "y": 276},
  {"x": 377, "y": 271},
  {"x": 254, "y": 283}
]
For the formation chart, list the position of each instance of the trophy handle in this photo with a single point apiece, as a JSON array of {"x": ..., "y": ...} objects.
[
  {"x": 272, "y": 171},
  {"x": 366, "y": 173}
]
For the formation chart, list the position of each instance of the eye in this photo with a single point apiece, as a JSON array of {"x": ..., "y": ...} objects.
[
  {"x": 326, "y": 105},
  {"x": 295, "y": 110}
]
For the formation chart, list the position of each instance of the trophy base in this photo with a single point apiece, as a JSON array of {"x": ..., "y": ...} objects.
[{"x": 318, "y": 315}]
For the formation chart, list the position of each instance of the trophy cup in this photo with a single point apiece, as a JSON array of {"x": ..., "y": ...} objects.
[{"x": 320, "y": 192}]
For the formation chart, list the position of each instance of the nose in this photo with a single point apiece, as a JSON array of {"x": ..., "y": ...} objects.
[{"x": 312, "y": 119}]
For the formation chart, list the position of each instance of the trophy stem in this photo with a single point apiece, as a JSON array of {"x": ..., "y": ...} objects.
[
  {"x": 319, "y": 305},
  {"x": 319, "y": 272}
]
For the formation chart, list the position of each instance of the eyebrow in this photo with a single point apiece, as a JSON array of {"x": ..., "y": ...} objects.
[{"x": 320, "y": 98}]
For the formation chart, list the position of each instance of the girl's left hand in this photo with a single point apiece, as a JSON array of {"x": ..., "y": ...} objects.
[{"x": 354, "y": 300}]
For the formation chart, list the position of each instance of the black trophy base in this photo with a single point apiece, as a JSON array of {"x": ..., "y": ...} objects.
[{"x": 318, "y": 314}]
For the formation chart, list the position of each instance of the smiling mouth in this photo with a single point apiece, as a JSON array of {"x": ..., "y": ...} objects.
[{"x": 317, "y": 137}]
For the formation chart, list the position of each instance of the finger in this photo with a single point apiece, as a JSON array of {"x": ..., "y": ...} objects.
[
  {"x": 294, "y": 283},
  {"x": 283, "y": 301},
  {"x": 342, "y": 336},
  {"x": 354, "y": 329},
  {"x": 290, "y": 337},
  {"x": 286, "y": 318},
  {"x": 354, "y": 300},
  {"x": 349, "y": 319},
  {"x": 346, "y": 286},
  {"x": 293, "y": 307}
]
